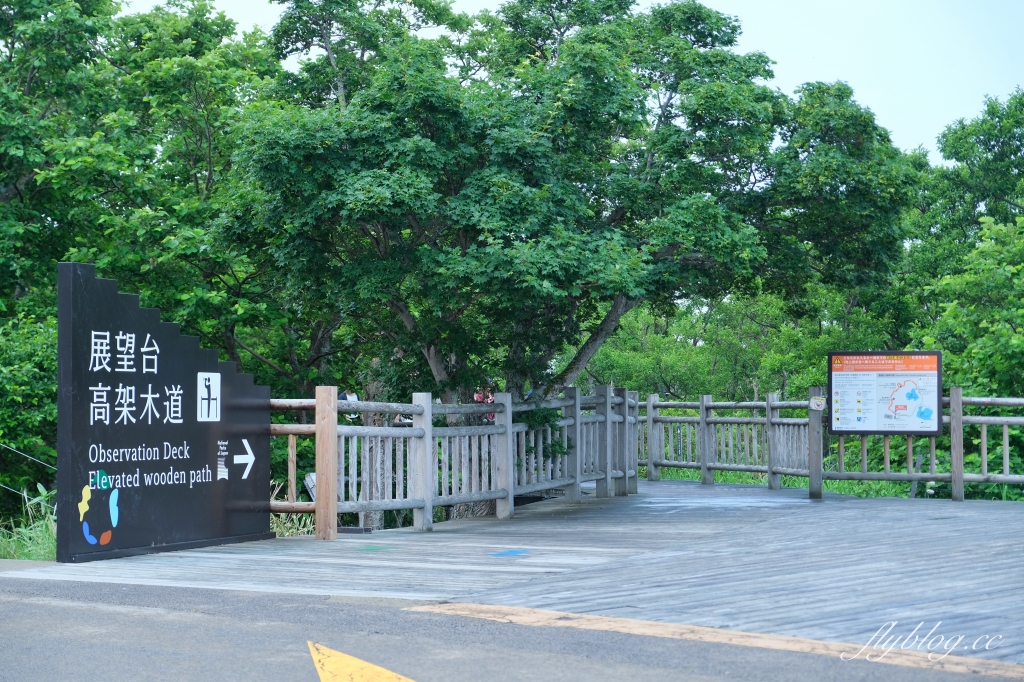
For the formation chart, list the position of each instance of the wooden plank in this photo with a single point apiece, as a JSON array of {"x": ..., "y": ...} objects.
[
  {"x": 984, "y": 449},
  {"x": 956, "y": 442},
  {"x": 633, "y": 441},
  {"x": 326, "y": 462},
  {"x": 292, "y": 449},
  {"x": 772, "y": 413},
  {"x": 1006, "y": 450},
  {"x": 706, "y": 438},
  {"x": 423, "y": 463},
  {"x": 814, "y": 454},
  {"x": 620, "y": 444},
  {"x": 353, "y": 468},
  {"x": 603, "y": 451},
  {"x": 503, "y": 458}
]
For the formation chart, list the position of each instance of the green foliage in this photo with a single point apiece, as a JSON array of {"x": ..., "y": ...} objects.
[
  {"x": 28, "y": 405},
  {"x": 734, "y": 348},
  {"x": 553, "y": 192},
  {"x": 982, "y": 323},
  {"x": 853, "y": 488},
  {"x": 585, "y": 156},
  {"x": 35, "y": 536}
]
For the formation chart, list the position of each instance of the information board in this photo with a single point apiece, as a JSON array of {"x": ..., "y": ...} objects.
[
  {"x": 159, "y": 445},
  {"x": 890, "y": 392}
]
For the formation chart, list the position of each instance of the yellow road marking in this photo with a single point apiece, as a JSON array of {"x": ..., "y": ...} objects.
[
  {"x": 538, "y": 617},
  {"x": 333, "y": 665}
]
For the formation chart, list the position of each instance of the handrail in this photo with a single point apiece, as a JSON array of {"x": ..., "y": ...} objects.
[
  {"x": 468, "y": 408},
  {"x": 791, "y": 405},
  {"x": 748, "y": 405},
  {"x": 464, "y": 498},
  {"x": 381, "y": 431},
  {"x": 285, "y": 404},
  {"x": 487, "y": 430},
  {"x": 551, "y": 403}
]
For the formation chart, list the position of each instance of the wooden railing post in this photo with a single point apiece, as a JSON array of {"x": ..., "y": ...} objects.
[
  {"x": 814, "y": 454},
  {"x": 424, "y": 463},
  {"x": 707, "y": 439},
  {"x": 574, "y": 468},
  {"x": 655, "y": 450},
  {"x": 503, "y": 461},
  {"x": 620, "y": 446},
  {"x": 604, "y": 440},
  {"x": 956, "y": 441},
  {"x": 326, "y": 462},
  {"x": 774, "y": 480},
  {"x": 633, "y": 441}
]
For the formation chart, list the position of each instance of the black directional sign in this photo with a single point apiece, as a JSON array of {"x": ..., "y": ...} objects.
[{"x": 160, "y": 445}]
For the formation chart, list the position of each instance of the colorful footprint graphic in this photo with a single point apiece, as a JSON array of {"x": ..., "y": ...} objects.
[{"x": 83, "y": 506}]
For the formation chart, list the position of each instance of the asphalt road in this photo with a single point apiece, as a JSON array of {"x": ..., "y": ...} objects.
[{"x": 55, "y": 630}]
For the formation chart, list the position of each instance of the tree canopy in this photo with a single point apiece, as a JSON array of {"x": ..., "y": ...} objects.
[{"x": 555, "y": 192}]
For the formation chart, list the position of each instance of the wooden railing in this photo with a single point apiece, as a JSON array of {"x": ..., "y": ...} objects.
[
  {"x": 420, "y": 466},
  {"x": 718, "y": 436}
]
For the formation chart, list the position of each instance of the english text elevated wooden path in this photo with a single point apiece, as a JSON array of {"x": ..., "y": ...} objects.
[{"x": 741, "y": 558}]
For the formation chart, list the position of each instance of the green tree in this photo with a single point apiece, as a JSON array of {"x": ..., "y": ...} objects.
[
  {"x": 982, "y": 323},
  {"x": 28, "y": 406},
  {"x": 47, "y": 51},
  {"x": 582, "y": 159}
]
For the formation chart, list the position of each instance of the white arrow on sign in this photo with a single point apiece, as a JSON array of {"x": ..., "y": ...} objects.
[{"x": 246, "y": 459}]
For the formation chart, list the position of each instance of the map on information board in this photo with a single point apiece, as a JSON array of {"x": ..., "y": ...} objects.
[{"x": 897, "y": 393}]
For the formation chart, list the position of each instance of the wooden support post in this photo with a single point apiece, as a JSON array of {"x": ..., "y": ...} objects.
[
  {"x": 574, "y": 467},
  {"x": 842, "y": 454},
  {"x": 655, "y": 450},
  {"x": 292, "y": 448},
  {"x": 620, "y": 446},
  {"x": 885, "y": 452},
  {"x": 708, "y": 453},
  {"x": 814, "y": 454},
  {"x": 326, "y": 462},
  {"x": 604, "y": 440},
  {"x": 424, "y": 463},
  {"x": 633, "y": 442},
  {"x": 863, "y": 454},
  {"x": 503, "y": 459},
  {"x": 956, "y": 441},
  {"x": 774, "y": 480},
  {"x": 910, "y": 455}
]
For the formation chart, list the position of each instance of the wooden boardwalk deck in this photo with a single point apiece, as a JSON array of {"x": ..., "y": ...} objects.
[{"x": 742, "y": 558}]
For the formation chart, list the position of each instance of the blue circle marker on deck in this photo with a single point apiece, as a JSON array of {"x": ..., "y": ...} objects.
[{"x": 512, "y": 552}]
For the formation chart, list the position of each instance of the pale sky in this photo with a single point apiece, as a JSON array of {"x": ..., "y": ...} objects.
[{"x": 917, "y": 64}]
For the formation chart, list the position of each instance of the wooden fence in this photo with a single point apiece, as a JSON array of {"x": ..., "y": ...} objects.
[
  {"x": 416, "y": 465},
  {"x": 754, "y": 437}
]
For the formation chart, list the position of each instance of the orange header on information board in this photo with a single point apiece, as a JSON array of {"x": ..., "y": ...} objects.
[{"x": 885, "y": 363}]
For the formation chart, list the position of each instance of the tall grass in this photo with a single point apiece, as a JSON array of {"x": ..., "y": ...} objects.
[{"x": 34, "y": 535}]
